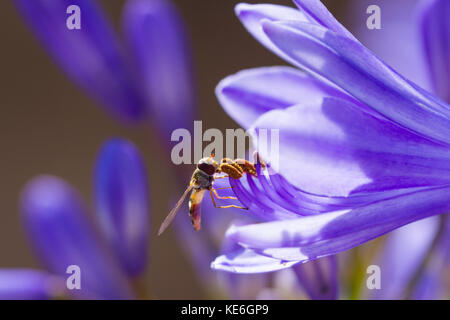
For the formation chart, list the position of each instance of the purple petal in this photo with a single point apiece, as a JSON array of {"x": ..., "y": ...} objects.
[
  {"x": 336, "y": 149},
  {"x": 399, "y": 265},
  {"x": 252, "y": 14},
  {"x": 312, "y": 237},
  {"x": 161, "y": 55},
  {"x": 236, "y": 259},
  {"x": 248, "y": 94},
  {"x": 247, "y": 261},
  {"x": 27, "y": 284},
  {"x": 435, "y": 28},
  {"x": 271, "y": 197},
  {"x": 316, "y": 11},
  {"x": 90, "y": 55},
  {"x": 122, "y": 203},
  {"x": 398, "y": 21},
  {"x": 61, "y": 235},
  {"x": 352, "y": 67},
  {"x": 319, "y": 278}
]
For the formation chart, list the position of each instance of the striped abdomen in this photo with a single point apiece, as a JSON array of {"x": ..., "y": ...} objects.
[{"x": 195, "y": 201}]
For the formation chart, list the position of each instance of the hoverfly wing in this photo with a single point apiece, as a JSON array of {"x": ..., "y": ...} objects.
[{"x": 168, "y": 220}]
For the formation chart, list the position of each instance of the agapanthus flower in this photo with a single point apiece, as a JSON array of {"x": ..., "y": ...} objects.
[
  {"x": 363, "y": 150},
  {"x": 146, "y": 73},
  {"x": 110, "y": 252}
]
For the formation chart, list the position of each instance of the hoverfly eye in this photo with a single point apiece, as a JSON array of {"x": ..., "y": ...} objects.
[{"x": 209, "y": 169}]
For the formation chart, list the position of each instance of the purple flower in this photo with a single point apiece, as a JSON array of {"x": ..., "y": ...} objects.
[
  {"x": 363, "y": 150},
  {"x": 24, "y": 284},
  {"x": 62, "y": 234},
  {"x": 121, "y": 194},
  {"x": 160, "y": 52},
  {"x": 435, "y": 30},
  {"x": 148, "y": 73}
]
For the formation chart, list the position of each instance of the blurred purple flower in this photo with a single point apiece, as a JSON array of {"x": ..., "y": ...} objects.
[
  {"x": 160, "y": 54},
  {"x": 61, "y": 233},
  {"x": 435, "y": 32},
  {"x": 26, "y": 284},
  {"x": 319, "y": 278},
  {"x": 363, "y": 150},
  {"x": 121, "y": 195},
  {"x": 150, "y": 72}
]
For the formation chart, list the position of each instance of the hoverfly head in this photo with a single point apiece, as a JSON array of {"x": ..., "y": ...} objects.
[{"x": 208, "y": 165}]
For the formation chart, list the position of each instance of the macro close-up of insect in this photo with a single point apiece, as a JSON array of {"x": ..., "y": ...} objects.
[{"x": 202, "y": 180}]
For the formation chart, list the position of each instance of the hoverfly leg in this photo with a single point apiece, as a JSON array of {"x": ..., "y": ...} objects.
[
  {"x": 225, "y": 188},
  {"x": 221, "y": 177},
  {"x": 220, "y": 197},
  {"x": 224, "y": 207},
  {"x": 232, "y": 206}
]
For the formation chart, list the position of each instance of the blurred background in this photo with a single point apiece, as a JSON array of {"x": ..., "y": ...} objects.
[{"x": 49, "y": 126}]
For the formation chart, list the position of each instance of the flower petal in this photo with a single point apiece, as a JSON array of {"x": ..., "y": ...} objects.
[
  {"x": 352, "y": 67},
  {"x": 435, "y": 28},
  {"x": 334, "y": 148},
  {"x": 252, "y": 14},
  {"x": 398, "y": 21},
  {"x": 312, "y": 237},
  {"x": 248, "y": 94},
  {"x": 316, "y": 11},
  {"x": 247, "y": 261},
  {"x": 61, "y": 236},
  {"x": 122, "y": 203},
  {"x": 161, "y": 54},
  {"x": 27, "y": 284},
  {"x": 319, "y": 278},
  {"x": 90, "y": 55}
]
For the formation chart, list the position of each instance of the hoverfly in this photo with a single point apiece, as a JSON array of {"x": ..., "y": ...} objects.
[{"x": 202, "y": 181}]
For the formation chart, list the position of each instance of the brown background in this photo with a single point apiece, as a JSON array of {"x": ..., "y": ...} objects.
[{"x": 49, "y": 126}]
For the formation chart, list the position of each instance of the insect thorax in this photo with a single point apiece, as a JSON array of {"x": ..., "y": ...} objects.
[{"x": 201, "y": 180}]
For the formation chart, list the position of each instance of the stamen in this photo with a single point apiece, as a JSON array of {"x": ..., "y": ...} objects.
[
  {"x": 245, "y": 197},
  {"x": 274, "y": 196},
  {"x": 258, "y": 196}
]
